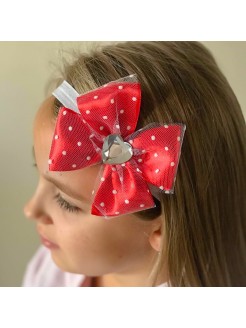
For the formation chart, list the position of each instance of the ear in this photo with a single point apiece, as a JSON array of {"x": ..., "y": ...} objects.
[{"x": 155, "y": 235}]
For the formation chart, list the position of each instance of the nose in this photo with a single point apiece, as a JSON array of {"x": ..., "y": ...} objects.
[{"x": 34, "y": 209}]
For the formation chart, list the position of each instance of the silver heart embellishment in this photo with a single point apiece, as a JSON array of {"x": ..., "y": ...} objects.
[{"x": 115, "y": 150}]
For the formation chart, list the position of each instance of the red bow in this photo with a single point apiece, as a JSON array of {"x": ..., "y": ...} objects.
[{"x": 113, "y": 110}]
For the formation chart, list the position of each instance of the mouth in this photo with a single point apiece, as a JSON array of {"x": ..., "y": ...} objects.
[{"x": 47, "y": 243}]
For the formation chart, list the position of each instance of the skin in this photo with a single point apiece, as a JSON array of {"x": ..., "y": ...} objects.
[{"x": 118, "y": 251}]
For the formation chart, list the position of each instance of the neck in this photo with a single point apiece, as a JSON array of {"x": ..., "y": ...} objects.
[
  {"x": 133, "y": 279},
  {"x": 116, "y": 281}
]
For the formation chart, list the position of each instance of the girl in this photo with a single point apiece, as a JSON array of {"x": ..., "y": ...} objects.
[{"x": 195, "y": 235}]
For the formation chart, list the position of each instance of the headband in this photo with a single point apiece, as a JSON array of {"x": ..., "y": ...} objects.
[{"x": 98, "y": 127}]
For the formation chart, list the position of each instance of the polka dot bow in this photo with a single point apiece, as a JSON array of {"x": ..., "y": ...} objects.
[{"x": 99, "y": 127}]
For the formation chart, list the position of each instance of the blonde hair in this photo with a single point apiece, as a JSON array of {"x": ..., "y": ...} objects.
[{"x": 204, "y": 221}]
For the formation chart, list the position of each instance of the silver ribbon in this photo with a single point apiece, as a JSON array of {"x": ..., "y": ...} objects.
[{"x": 67, "y": 95}]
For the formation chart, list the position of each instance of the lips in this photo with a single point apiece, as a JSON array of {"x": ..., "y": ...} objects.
[{"x": 46, "y": 242}]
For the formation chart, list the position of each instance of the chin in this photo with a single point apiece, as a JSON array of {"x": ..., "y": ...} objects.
[{"x": 61, "y": 264}]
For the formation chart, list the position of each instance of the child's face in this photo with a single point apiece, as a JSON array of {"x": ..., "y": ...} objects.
[{"x": 86, "y": 244}]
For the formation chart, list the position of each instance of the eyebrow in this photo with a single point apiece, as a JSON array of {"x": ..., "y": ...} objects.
[{"x": 62, "y": 186}]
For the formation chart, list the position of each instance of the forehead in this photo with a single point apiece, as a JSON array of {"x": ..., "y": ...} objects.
[
  {"x": 43, "y": 129},
  {"x": 81, "y": 181}
]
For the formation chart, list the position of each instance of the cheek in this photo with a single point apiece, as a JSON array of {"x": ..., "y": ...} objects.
[
  {"x": 72, "y": 236},
  {"x": 91, "y": 242},
  {"x": 95, "y": 247},
  {"x": 98, "y": 235}
]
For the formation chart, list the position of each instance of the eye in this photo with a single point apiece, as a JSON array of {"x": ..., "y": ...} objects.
[{"x": 65, "y": 205}]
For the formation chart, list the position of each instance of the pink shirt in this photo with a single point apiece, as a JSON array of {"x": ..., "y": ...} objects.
[{"x": 43, "y": 272}]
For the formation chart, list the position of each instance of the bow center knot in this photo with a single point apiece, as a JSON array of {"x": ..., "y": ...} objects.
[{"x": 115, "y": 150}]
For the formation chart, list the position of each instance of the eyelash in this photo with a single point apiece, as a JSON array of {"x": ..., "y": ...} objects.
[{"x": 65, "y": 205}]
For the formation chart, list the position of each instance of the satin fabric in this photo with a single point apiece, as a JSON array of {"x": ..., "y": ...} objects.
[{"x": 114, "y": 109}]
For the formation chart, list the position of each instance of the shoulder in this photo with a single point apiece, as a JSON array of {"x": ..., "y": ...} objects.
[{"x": 41, "y": 271}]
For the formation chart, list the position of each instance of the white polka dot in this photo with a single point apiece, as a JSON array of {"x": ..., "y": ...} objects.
[
  {"x": 143, "y": 151},
  {"x": 56, "y": 137},
  {"x": 50, "y": 161},
  {"x": 114, "y": 192},
  {"x": 123, "y": 164},
  {"x": 140, "y": 160},
  {"x": 112, "y": 101},
  {"x": 167, "y": 192},
  {"x": 121, "y": 179},
  {"x": 102, "y": 179},
  {"x": 101, "y": 128},
  {"x": 64, "y": 112},
  {"x": 121, "y": 111},
  {"x": 166, "y": 148},
  {"x": 93, "y": 191},
  {"x": 157, "y": 170},
  {"x": 74, "y": 165},
  {"x": 138, "y": 170},
  {"x": 105, "y": 117},
  {"x": 84, "y": 121},
  {"x": 128, "y": 127},
  {"x": 92, "y": 135},
  {"x": 88, "y": 112},
  {"x": 161, "y": 187},
  {"x": 88, "y": 158},
  {"x": 117, "y": 126},
  {"x": 131, "y": 142},
  {"x": 70, "y": 128},
  {"x": 134, "y": 98},
  {"x": 116, "y": 213},
  {"x": 152, "y": 137},
  {"x": 166, "y": 126},
  {"x": 102, "y": 204},
  {"x": 64, "y": 152},
  {"x": 178, "y": 138},
  {"x": 120, "y": 87},
  {"x": 79, "y": 143},
  {"x": 95, "y": 97},
  {"x": 127, "y": 201},
  {"x": 155, "y": 154},
  {"x": 141, "y": 205},
  {"x": 172, "y": 164},
  {"x": 113, "y": 169},
  {"x": 98, "y": 149}
]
